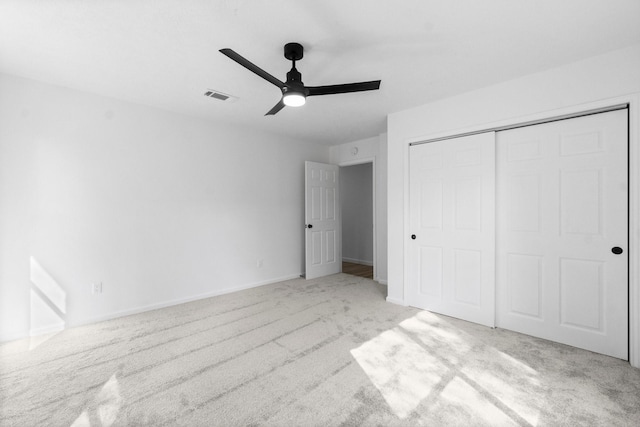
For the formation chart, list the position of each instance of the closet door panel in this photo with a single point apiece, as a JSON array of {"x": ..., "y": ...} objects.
[
  {"x": 452, "y": 203},
  {"x": 562, "y": 207}
]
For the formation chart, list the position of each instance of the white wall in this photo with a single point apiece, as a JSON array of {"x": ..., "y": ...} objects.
[
  {"x": 159, "y": 208},
  {"x": 356, "y": 200},
  {"x": 599, "y": 78},
  {"x": 371, "y": 150}
]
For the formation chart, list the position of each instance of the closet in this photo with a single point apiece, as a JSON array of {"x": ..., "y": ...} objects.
[{"x": 526, "y": 229}]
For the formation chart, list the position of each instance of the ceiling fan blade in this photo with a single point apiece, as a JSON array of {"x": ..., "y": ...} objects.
[
  {"x": 251, "y": 67},
  {"x": 279, "y": 106},
  {"x": 344, "y": 88}
]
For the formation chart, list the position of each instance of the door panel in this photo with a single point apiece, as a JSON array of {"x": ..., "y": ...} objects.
[
  {"x": 452, "y": 205},
  {"x": 581, "y": 294},
  {"x": 562, "y": 206},
  {"x": 322, "y": 217},
  {"x": 524, "y": 274}
]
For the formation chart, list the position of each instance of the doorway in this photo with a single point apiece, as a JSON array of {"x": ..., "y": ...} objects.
[{"x": 357, "y": 203}]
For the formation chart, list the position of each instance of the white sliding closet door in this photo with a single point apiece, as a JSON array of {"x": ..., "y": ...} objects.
[
  {"x": 562, "y": 211},
  {"x": 452, "y": 218}
]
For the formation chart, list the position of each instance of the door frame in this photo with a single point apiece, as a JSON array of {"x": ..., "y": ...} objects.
[
  {"x": 633, "y": 105},
  {"x": 362, "y": 161}
]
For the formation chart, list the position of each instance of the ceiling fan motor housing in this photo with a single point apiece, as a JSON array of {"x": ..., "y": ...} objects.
[{"x": 294, "y": 82}]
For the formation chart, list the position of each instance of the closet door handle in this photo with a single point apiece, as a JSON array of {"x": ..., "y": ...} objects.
[{"x": 617, "y": 250}]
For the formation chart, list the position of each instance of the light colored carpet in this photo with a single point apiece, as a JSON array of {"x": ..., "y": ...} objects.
[{"x": 325, "y": 352}]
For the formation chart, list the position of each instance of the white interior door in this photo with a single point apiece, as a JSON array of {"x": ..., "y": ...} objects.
[
  {"x": 562, "y": 207},
  {"x": 323, "y": 241},
  {"x": 452, "y": 220}
]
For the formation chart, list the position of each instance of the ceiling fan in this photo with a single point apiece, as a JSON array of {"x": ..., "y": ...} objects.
[{"x": 294, "y": 92}]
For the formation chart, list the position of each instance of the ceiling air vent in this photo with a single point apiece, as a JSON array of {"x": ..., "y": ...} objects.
[{"x": 215, "y": 94}]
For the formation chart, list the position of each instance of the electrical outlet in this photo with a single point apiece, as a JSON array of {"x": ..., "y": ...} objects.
[{"x": 96, "y": 288}]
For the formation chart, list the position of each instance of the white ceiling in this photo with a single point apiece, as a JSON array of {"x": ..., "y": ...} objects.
[{"x": 164, "y": 53}]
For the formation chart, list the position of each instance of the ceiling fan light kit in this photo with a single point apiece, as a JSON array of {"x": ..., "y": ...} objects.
[
  {"x": 294, "y": 99},
  {"x": 294, "y": 92}
]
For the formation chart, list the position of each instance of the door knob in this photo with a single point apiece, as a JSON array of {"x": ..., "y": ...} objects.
[
  {"x": 413, "y": 236},
  {"x": 617, "y": 250},
  {"x": 309, "y": 225}
]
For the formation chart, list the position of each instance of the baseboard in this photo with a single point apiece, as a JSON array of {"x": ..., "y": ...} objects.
[
  {"x": 13, "y": 336},
  {"x": 357, "y": 261},
  {"x": 32, "y": 333},
  {"x": 171, "y": 303},
  {"x": 396, "y": 301},
  {"x": 47, "y": 330},
  {"x": 382, "y": 282},
  {"x": 137, "y": 310}
]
